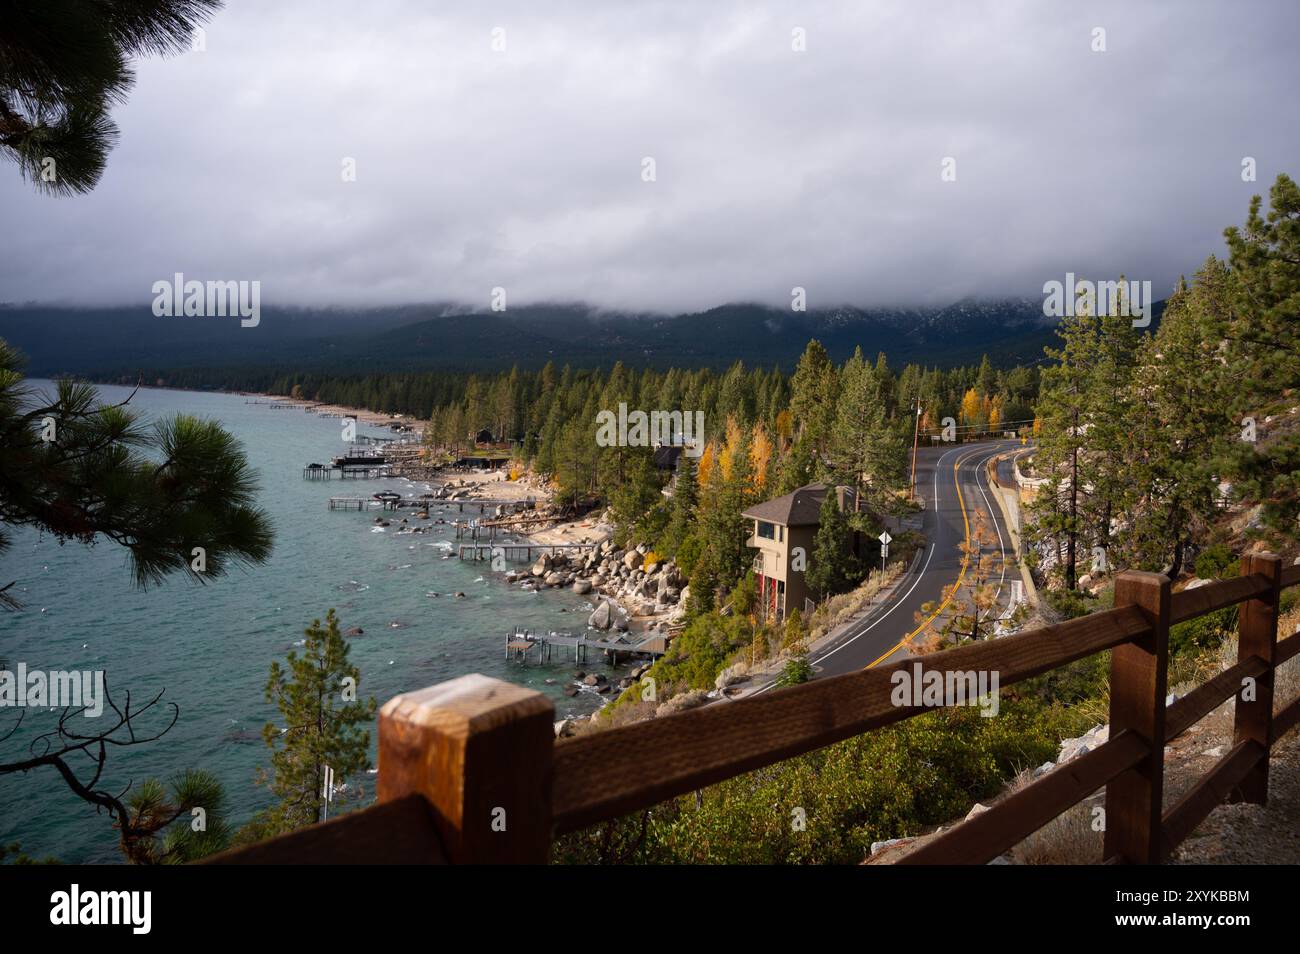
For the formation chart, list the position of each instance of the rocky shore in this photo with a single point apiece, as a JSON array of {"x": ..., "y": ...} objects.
[{"x": 630, "y": 590}]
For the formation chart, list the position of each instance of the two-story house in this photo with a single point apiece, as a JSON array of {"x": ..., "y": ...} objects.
[{"x": 783, "y": 536}]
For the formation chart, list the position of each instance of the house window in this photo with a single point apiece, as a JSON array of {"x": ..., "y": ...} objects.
[{"x": 766, "y": 530}]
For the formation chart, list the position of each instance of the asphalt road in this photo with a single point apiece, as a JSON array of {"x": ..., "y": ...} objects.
[{"x": 953, "y": 483}]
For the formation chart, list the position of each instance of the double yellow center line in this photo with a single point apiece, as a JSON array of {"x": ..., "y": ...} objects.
[{"x": 965, "y": 562}]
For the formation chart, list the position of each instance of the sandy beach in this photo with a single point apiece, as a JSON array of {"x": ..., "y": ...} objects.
[{"x": 375, "y": 418}]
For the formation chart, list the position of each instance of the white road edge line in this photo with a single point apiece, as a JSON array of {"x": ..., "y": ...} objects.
[
  {"x": 994, "y": 517},
  {"x": 920, "y": 576}
]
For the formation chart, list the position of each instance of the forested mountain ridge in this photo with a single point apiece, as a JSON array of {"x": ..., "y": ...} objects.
[{"x": 124, "y": 341}]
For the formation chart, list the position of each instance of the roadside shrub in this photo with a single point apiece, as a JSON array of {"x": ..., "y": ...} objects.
[
  {"x": 703, "y": 650},
  {"x": 1070, "y": 603},
  {"x": 1202, "y": 633},
  {"x": 794, "y": 631},
  {"x": 1217, "y": 562},
  {"x": 797, "y": 670}
]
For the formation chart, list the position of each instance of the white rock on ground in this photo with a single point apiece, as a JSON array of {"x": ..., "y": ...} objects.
[
  {"x": 732, "y": 675},
  {"x": 680, "y": 703}
]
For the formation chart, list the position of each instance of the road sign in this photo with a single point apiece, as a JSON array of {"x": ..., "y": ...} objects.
[{"x": 885, "y": 538}]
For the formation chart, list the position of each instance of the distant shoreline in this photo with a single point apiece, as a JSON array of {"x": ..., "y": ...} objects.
[{"x": 363, "y": 416}]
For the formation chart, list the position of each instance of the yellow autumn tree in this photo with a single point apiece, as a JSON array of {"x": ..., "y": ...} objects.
[
  {"x": 704, "y": 470},
  {"x": 734, "y": 439},
  {"x": 760, "y": 455},
  {"x": 785, "y": 426},
  {"x": 995, "y": 413},
  {"x": 971, "y": 406}
]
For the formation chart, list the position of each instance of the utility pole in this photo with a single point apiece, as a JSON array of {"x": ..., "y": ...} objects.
[{"x": 916, "y": 437}]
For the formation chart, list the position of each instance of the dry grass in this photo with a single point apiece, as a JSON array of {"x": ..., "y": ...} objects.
[
  {"x": 1068, "y": 839},
  {"x": 927, "y": 644},
  {"x": 838, "y": 610}
]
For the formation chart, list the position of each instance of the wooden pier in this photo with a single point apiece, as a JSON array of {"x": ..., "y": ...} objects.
[
  {"x": 522, "y": 552},
  {"x": 521, "y": 642},
  {"x": 425, "y": 503},
  {"x": 484, "y": 504},
  {"x": 362, "y": 472},
  {"x": 366, "y": 503}
]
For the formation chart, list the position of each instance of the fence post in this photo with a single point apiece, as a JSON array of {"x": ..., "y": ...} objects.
[
  {"x": 1138, "y": 684},
  {"x": 479, "y": 750},
  {"x": 1257, "y": 636}
]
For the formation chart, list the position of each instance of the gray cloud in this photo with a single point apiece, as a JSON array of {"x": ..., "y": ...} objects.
[{"x": 522, "y": 168}]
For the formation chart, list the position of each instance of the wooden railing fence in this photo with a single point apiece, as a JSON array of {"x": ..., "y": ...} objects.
[{"x": 470, "y": 771}]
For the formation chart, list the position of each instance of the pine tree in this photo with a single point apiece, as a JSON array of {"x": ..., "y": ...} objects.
[
  {"x": 1064, "y": 407},
  {"x": 728, "y": 493},
  {"x": 1111, "y": 403},
  {"x": 63, "y": 63},
  {"x": 72, "y": 468},
  {"x": 832, "y": 567},
  {"x": 814, "y": 391},
  {"x": 1181, "y": 451},
  {"x": 176, "y": 822},
  {"x": 681, "y": 520},
  {"x": 868, "y": 451},
  {"x": 323, "y": 717},
  {"x": 1260, "y": 324}
]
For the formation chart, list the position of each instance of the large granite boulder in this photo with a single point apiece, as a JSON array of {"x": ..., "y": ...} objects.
[{"x": 601, "y": 616}]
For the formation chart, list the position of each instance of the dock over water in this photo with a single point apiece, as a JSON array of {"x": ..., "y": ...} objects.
[
  {"x": 518, "y": 551},
  {"x": 422, "y": 503},
  {"x": 524, "y": 645}
]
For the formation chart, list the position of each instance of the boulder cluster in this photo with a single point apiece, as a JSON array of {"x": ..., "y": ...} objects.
[
  {"x": 648, "y": 589},
  {"x": 457, "y": 489}
]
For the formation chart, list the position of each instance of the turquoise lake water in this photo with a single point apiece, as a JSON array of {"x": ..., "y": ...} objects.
[{"x": 210, "y": 646}]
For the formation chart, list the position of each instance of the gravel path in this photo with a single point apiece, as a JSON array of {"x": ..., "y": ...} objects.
[{"x": 1252, "y": 834}]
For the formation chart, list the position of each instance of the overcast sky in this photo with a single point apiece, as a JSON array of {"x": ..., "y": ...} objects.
[{"x": 523, "y": 168}]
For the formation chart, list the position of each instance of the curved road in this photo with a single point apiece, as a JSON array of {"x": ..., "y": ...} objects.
[{"x": 953, "y": 483}]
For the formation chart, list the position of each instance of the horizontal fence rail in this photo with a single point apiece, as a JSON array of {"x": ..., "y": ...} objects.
[
  {"x": 602, "y": 775},
  {"x": 470, "y": 771}
]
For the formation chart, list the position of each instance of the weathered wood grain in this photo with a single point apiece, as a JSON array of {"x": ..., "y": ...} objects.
[
  {"x": 1138, "y": 682},
  {"x": 1188, "y": 604},
  {"x": 400, "y": 832},
  {"x": 1257, "y": 637},
  {"x": 479, "y": 750}
]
